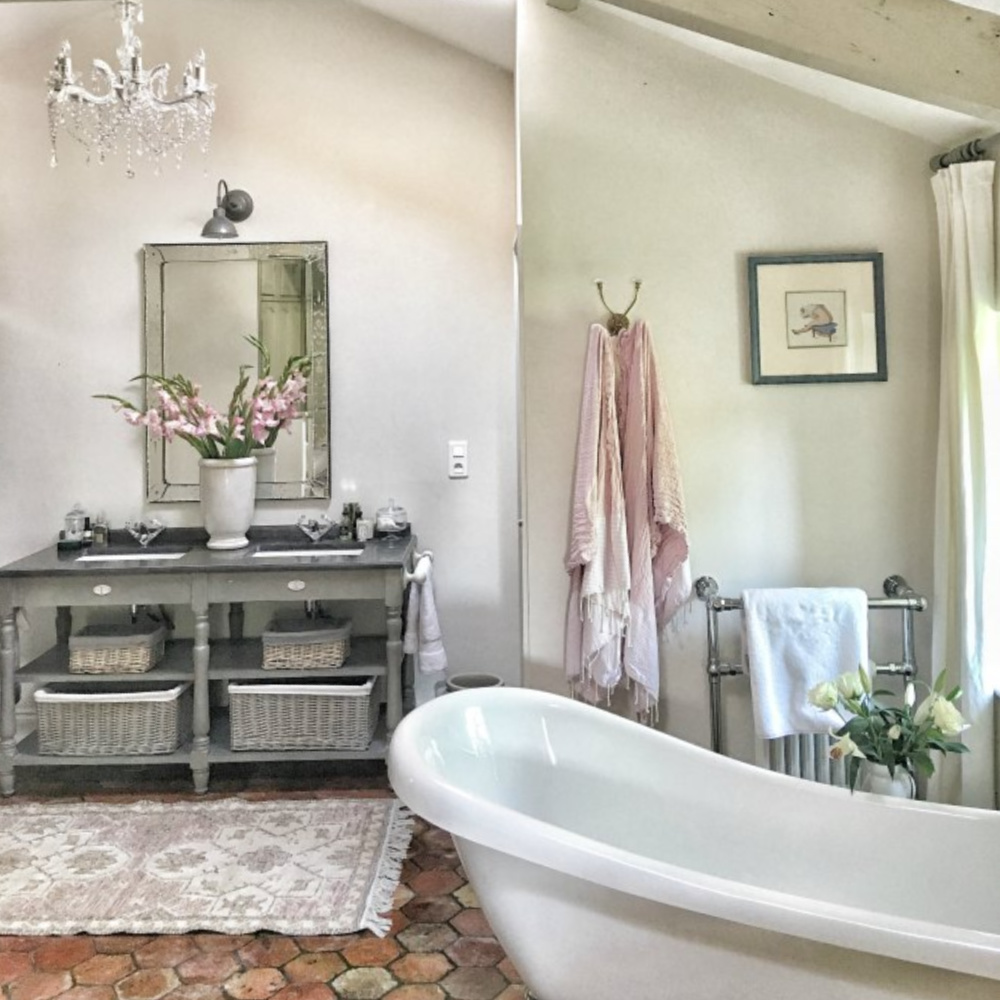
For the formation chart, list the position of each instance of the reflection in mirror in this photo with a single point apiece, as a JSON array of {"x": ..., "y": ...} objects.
[{"x": 201, "y": 303}]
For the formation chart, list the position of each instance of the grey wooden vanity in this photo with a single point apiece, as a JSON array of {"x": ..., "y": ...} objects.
[{"x": 199, "y": 579}]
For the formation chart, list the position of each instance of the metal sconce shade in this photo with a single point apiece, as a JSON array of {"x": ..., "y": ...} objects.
[{"x": 230, "y": 206}]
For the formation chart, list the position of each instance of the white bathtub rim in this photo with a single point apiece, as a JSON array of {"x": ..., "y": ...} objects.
[{"x": 504, "y": 829}]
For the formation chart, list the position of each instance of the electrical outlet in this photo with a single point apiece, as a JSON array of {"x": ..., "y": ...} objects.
[{"x": 458, "y": 459}]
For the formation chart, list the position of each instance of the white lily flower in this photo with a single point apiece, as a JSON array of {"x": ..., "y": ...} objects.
[
  {"x": 845, "y": 747},
  {"x": 947, "y": 718},
  {"x": 849, "y": 685},
  {"x": 824, "y": 695}
]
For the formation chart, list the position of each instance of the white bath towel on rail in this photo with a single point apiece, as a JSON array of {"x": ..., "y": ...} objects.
[{"x": 793, "y": 639}]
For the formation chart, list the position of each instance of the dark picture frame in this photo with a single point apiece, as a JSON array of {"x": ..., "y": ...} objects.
[{"x": 817, "y": 317}]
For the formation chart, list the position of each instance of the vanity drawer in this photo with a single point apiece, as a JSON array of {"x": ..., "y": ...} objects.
[
  {"x": 297, "y": 585},
  {"x": 102, "y": 588}
]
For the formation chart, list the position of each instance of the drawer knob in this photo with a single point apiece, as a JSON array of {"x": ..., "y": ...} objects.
[
  {"x": 102, "y": 590},
  {"x": 296, "y": 585}
]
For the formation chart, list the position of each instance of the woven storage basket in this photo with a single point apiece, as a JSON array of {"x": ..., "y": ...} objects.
[
  {"x": 307, "y": 716},
  {"x": 117, "y": 649},
  {"x": 76, "y": 720},
  {"x": 305, "y": 643}
]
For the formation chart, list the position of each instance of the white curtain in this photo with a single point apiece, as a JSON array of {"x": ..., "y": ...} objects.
[{"x": 966, "y": 551}]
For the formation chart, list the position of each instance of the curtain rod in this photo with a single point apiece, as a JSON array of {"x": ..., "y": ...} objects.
[{"x": 977, "y": 149}]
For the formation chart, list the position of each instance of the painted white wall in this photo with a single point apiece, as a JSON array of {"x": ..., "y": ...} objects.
[
  {"x": 344, "y": 126},
  {"x": 643, "y": 157}
]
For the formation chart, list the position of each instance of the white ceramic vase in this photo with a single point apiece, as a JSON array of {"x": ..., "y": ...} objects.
[
  {"x": 876, "y": 778},
  {"x": 266, "y": 464},
  {"x": 227, "y": 489}
]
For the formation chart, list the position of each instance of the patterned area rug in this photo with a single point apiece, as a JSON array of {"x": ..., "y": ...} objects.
[{"x": 299, "y": 867}]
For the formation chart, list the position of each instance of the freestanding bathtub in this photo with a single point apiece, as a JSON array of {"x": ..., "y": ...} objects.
[{"x": 618, "y": 863}]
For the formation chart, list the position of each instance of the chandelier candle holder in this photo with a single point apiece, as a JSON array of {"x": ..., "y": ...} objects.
[{"x": 131, "y": 111}]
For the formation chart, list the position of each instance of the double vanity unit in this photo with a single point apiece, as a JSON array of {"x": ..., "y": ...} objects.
[{"x": 178, "y": 571}]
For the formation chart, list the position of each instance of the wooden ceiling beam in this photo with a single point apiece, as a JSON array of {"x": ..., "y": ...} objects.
[{"x": 934, "y": 51}]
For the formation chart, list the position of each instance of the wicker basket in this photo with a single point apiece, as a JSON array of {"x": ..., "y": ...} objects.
[
  {"x": 306, "y": 643},
  {"x": 76, "y": 720},
  {"x": 117, "y": 649},
  {"x": 306, "y": 716}
]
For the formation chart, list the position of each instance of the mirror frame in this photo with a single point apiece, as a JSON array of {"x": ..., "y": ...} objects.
[{"x": 155, "y": 256}]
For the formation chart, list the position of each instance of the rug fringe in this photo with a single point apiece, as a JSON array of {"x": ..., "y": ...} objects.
[{"x": 399, "y": 833}]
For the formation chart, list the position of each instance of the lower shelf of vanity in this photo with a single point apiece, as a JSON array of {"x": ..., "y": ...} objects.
[
  {"x": 219, "y": 752},
  {"x": 228, "y": 659}
]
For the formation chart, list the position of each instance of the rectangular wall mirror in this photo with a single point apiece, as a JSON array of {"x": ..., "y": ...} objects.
[{"x": 201, "y": 303}]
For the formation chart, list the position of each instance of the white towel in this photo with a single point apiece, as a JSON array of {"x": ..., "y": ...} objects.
[
  {"x": 794, "y": 639},
  {"x": 423, "y": 630}
]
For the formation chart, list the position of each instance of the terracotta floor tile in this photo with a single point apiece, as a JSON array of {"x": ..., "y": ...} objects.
[
  {"x": 305, "y": 991},
  {"x": 221, "y": 942},
  {"x": 269, "y": 950},
  {"x": 474, "y": 984},
  {"x": 431, "y": 910},
  {"x": 437, "y": 882},
  {"x": 478, "y": 951},
  {"x": 363, "y": 984},
  {"x": 471, "y": 922},
  {"x": 40, "y": 985},
  {"x": 14, "y": 965},
  {"x": 116, "y": 944},
  {"x": 16, "y": 942},
  {"x": 88, "y": 993},
  {"x": 426, "y": 937},
  {"x": 418, "y": 991},
  {"x": 371, "y": 951},
  {"x": 147, "y": 984},
  {"x": 211, "y": 967},
  {"x": 103, "y": 970},
  {"x": 326, "y": 942},
  {"x": 165, "y": 950},
  {"x": 195, "y": 991},
  {"x": 427, "y": 968},
  {"x": 63, "y": 953},
  {"x": 314, "y": 967},
  {"x": 255, "y": 984}
]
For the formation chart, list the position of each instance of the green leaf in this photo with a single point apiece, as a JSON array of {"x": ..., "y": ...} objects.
[{"x": 940, "y": 681}]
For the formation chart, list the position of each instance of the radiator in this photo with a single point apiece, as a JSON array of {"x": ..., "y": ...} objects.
[{"x": 806, "y": 756}]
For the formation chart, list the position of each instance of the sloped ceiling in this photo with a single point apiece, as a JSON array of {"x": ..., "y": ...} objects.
[{"x": 484, "y": 28}]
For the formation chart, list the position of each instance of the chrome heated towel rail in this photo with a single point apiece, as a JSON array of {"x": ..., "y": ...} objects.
[{"x": 899, "y": 596}]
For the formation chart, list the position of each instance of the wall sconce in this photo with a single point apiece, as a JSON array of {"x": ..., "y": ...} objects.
[{"x": 230, "y": 207}]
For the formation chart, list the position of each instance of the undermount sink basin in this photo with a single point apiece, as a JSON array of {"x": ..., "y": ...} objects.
[
  {"x": 275, "y": 550},
  {"x": 133, "y": 553}
]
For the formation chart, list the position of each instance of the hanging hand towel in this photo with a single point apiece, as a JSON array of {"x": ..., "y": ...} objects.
[
  {"x": 422, "y": 637},
  {"x": 794, "y": 639}
]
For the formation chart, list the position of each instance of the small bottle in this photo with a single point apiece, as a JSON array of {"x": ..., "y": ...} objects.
[{"x": 101, "y": 531}]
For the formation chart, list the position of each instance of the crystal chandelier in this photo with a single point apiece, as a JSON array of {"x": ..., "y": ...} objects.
[{"x": 132, "y": 111}]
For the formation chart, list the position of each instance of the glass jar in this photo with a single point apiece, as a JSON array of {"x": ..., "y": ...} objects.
[{"x": 391, "y": 521}]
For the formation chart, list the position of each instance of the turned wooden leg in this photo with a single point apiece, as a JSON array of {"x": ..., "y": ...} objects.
[
  {"x": 8, "y": 722},
  {"x": 202, "y": 718}
]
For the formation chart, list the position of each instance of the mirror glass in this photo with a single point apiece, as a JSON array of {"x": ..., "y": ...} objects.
[{"x": 201, "y": 303}]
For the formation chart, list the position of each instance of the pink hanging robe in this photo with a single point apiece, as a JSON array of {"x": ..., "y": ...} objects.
[{"x": 597, "y": 554}]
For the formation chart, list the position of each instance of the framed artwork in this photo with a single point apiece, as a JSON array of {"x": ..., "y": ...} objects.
[{"x": 817, "y": 318}]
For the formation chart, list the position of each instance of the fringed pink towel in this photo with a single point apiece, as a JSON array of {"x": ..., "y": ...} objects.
[
  {"x": 654, "y": 511},
  {"x": 597, "y": 554},
  {"x": 628, "y": 549}
]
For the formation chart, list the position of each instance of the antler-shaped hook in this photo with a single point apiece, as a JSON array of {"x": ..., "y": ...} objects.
[{"x": 618, "y": 321}]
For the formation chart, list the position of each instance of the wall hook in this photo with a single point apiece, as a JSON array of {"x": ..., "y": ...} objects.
[{"x": 618, "y": 321}]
